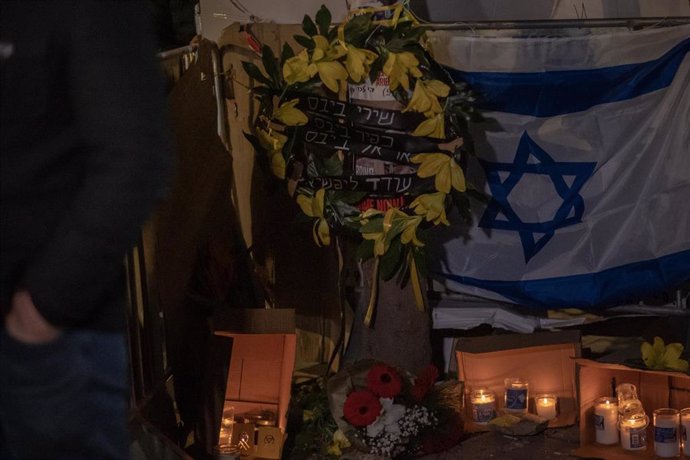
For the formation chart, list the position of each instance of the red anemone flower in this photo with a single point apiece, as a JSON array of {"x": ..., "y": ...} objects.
[
  {"x": 384, "y": 381},
  {"x": 361, "y": 408}
]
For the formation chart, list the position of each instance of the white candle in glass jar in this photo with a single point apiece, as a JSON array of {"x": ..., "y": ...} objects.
[
  {"x": 685, "y": 430},
  {"x": 633, "y": 430},
  {"x": 606, "y": 421},
  {"x": 666, "y": 424},
  {"x": 483, "y": 403},
  {"x": 546, "y": 406}
]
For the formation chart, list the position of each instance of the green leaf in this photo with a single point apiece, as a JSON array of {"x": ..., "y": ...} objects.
[
  {"x": 253, "y": 71},
  {"x": 308, "y": 26},
  {"x": 365, "y": 250},
  {"x": 374, "y": 225},
  {"x": 391, "y": 261},
  {"x": 271, "y": 65},
  {"x": 357, "y": 30},
  {"x": 349, "y": 197},
  {"x": 333, "y": 165},
  {"x": 306, "y": 42},
  {"x": 323, "y": 19},
  {"x": 286, "y": 53}
]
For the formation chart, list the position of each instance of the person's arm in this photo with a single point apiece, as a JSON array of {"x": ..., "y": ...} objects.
[{"x": 117, "y": 95}]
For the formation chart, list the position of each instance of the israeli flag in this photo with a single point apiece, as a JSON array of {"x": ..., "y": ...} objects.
[{"x": 585, "y": 155}]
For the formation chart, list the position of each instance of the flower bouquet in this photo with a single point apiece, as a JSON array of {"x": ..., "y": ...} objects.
[{"x": 388, "y": 412}]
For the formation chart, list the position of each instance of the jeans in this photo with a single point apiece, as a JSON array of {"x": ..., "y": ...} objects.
[{"x": 66, "y": 399}]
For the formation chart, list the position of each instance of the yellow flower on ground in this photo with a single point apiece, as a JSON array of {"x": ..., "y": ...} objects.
[
  {"x": 298, "y": 69},
  {"x": 398, "y": 67},
  {"x": 432, "y": 127},
  {"x": 271, "y": 140},
  {"x": 447, "y": 173},
  {"x": 278, "y": 165},
  {"x": 659, "y": 356},
  {"x": 289, "y": 115},
  {"x": 339, "y": 443},
  {"x": 314, "y": 207},
  {"x": 432, "y": 206},
  {"x": 358, "y": 62}
]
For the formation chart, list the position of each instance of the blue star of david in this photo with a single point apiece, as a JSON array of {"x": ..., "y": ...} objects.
[{"x": 570, "y": 211}]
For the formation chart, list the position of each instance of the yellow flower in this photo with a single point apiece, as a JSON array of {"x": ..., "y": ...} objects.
[
  {"x": 395, "y": 222},
  {"x": 425, "y": 97},
  {"x": 358, "y": 62},
  {"x": 409, "y": 233},
  {"x": 289, "y": 115},
  {"x": 298, "y": 69},
  {"x": 368, "y": 214},
  {"x": 271, "y": 140},
  {"x": 380, "y": 238},
  {"x": 331, "y": 72},
  {"x": 432, "y": 127},
  {"x": 339, "y": 442},
  {"x": 398, "y": 66},
  {"x": 307, "y": 415},
  {"x": 660, "y": 356},
  {"x": 446, "y": 171},
  {"x": 432, "y": 206},
  {"x": 313, "y": 207},
  {"x": 278, "y": 165}
]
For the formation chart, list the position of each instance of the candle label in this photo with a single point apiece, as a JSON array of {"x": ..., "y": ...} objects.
[
  {"x": 482, "y": 413},
  {"x": 662, "y": 434},
  {"x": 598, "y": 422},
  {"x": 638, "y": 438},
  {"x": 516, "y": 399}
]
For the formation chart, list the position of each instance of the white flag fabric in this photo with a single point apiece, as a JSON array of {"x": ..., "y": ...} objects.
[{"x": 585, "y": 155}]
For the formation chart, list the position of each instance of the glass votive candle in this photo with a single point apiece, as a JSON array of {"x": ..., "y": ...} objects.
[
  {"x": 633, "y": 431},
  {"x": 545, "y": 404},
  {"x": 666, "y": 424},
  {"x": 626, "y": 391},
  {"x": 685, "y": 429},
  {"x": 483, "y": 403},
  {"x": 606, "y": 421},
  {"x": 516, "y": 395}
]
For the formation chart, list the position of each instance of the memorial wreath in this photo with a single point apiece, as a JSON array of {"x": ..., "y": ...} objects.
[{"x": 385, "y": 174}]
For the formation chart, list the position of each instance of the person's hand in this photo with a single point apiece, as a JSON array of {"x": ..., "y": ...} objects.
[{"x": 25, "y": 324}]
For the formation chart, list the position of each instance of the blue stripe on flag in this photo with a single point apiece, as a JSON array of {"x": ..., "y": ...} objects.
[
  {"x": 627, "y": 283},
  {"x": 544, "y": 94}
]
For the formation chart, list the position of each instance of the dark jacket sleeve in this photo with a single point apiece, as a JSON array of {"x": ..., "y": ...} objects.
[{"x": 117, "y": 97}]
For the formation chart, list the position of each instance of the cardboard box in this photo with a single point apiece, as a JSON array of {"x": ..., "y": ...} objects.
[
  {"x": 656, "y": 389},
  {"x": 544, "y": 359},
  {"x": 261, "y": 365}
]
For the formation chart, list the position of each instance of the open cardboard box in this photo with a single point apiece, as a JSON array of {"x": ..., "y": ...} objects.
[
  {"x": 260, "y": 372},
  {"x": 656, "y": 389},
  {"x": 544, "y": 359}
]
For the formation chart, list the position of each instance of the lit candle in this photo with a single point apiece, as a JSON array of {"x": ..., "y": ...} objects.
[
  {"x": 685, "y": 429},
  {"x": 483, "y": 405},
  {"x": 633, "y": 430},
  {"x": 546, "y": 406},
  {"x": 516, "y": 395},
  {"x": 666, "y": 442},
  {"x": 606, "y": 421}
]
